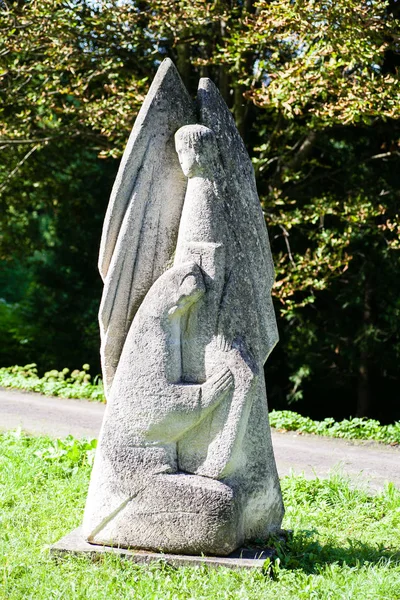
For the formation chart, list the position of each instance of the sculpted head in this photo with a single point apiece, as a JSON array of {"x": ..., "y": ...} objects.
[
  {"x": 197, "y": 150},
  {"x": 176, "y": 290},
  {"x": 189, "y": 287}
]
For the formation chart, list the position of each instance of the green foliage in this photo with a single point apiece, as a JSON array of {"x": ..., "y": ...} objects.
[
  {"x": 69, "y": 454},
  {"x": 65, "y": 384},
  {"x": 314, "y": 89},
  {"x": 344, "y": 543},
  {"x": 352, "y": 429},
  {"x": 74, "y": 74},
  {"x": 325, "y": 60}
]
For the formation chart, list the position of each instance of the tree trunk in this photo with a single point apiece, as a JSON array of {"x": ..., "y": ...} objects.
[
  {"x": 364, "y": 395},
  {"x": 240, "y": 110},
  {"x": 183, "y": 62},
  {"x": 363, "y": 389}
]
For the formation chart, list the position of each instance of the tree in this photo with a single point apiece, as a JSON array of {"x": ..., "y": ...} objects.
[{"x": 314, "y": 89}]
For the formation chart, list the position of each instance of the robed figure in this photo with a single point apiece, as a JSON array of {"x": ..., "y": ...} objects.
[{"x": 185, "y": 461}]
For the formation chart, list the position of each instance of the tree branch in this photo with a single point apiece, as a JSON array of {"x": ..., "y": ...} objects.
[
  {"x": 9, "y": 142},
  {"x": 303, "y": 152},
  {"x": 286, "y": 236},
  {"x": 19, "y": 165}
]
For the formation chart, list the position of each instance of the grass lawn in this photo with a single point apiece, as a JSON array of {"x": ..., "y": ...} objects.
[{"x": 346, "y": 543}]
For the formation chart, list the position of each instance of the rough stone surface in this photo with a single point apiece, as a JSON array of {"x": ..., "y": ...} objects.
[
  {"x": 243, "y": 558},
  {"x": 185, "y": 461},
  {"x": 142, "y": 220}
]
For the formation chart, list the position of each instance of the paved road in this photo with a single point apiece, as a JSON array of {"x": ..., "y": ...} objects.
[
  {"x": 56, "y": 417},
  {"x": 365, "y": 462}
]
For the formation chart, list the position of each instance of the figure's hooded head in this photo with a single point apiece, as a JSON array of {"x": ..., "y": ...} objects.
[
  {"x": 197, "y": 150},
  {"x": 175, "y": 291}
]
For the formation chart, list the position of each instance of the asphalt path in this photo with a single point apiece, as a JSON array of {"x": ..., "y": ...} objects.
[
  {"x": 368, "y": 464},
  {"x": 56, "y": 417}
]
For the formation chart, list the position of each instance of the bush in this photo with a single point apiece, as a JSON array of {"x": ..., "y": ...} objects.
[
  {"x": 62, "y": 383},
  {"x": 357, "y": 428}
]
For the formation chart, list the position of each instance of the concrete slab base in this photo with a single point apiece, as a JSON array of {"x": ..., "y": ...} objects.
[{"x": 244, "y": 558}]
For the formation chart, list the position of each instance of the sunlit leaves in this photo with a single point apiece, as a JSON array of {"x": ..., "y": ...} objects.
[
  {"x": 323, "y": 60},
  {"x": 66, "y": 70}
]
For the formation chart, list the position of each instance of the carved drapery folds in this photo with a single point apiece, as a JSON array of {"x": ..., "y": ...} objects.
[{"x": 185, "y": 462}]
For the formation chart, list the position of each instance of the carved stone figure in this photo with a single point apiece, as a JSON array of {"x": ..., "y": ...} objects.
[{"x": 185, "y": 462}]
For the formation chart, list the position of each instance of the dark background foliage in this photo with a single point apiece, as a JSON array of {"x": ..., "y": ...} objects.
[{"x": 314, "y": 90}]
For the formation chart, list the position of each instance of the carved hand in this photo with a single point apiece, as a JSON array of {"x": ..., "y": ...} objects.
[{"x": 215, "y": 388}]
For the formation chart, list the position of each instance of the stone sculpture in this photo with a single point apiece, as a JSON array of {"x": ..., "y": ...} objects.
[{"x": 184, "y": 462}]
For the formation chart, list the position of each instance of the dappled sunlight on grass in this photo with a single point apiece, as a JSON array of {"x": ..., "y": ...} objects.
[{"x": 345, "y": 542}]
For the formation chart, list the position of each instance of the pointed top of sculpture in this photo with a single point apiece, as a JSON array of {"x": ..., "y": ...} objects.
[
  {"x": 142, "y": 219},
  {"x": 249, "y": 235},
  {"x": 167, "y": 107}
]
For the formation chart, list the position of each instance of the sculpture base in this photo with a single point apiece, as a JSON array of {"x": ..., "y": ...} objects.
[{"x": 243, "y": 558}]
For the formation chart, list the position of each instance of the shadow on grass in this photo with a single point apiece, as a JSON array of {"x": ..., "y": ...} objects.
[{"x": 303, "y": 551}]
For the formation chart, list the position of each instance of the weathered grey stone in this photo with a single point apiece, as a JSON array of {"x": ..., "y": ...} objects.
[
  {"x": 185, "y": 461},
  {"x": 243, "y": 558},
  {"x": 142, "y": 220}
]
